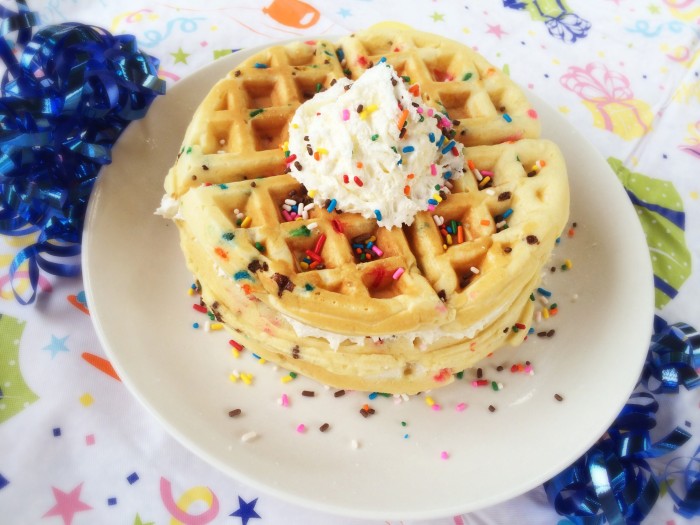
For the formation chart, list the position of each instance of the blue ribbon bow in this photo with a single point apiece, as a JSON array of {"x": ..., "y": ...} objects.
[
  {"x": 613, "y": 481},
  {"x": 64, "y": 103}
]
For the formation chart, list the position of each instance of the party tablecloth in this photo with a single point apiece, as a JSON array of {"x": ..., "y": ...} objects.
[{"x": 77, "y": 448}]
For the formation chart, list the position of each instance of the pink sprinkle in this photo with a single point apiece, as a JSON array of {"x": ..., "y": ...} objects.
[
  {"x": 532, "y": 113},
  {"x": 398, "y": 273},
  {"x": 301, "y": 428},
  {"x": 286, "y": 215},
  {"x": 444, "y": 455},
  {"x": 346, "y": 114},
  {"x": 419, "y": 109},
  {"x": 528, "y": 369},
  {"x": 293, "y": 214},
  {"x": 486, "y": 173},
  {"x": 431, "y": 207},
  {"x": 433, "y": 170},
  {"x": 446, "y": 122},
  {"x": 376, "y": 249},
  {"x": 285, "y": 400},
  {"x": 90, "y": 440},
  {"x": 461, "y": 407},
  {"x": 436, "y": 407},
  {"x": 430, "y": 112}
]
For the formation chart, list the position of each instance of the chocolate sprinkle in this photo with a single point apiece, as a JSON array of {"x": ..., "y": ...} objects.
[
  {"x": 308, "y": 393},
  {"x": 504, "y": 196},
  {"x": 558, "y": 397},
  {"x": 253, "y": 184},
  {"x": 283, "y": 283},
  {"x": 324, "y": 427},
  {"x": 237, "y": 73},
  {"x": 507, "y": 249},
  {"x": 235, "y": 412},
  {"x": 442, "y": 295},
  {"x": 339, "y": 393},
  {"x": 499, "y": 369},
  {"x": 295, "y": 352},
  {"x": 255, "y": 266},
  {"x": 532, "y": 239},
  {"x": 492, "y": 408},
  {"x": 479, "y": 373},
  {"x": 360, "y": 107},
  {"x": 205, "y": 167},
  {"x": 297, "y": 165}
]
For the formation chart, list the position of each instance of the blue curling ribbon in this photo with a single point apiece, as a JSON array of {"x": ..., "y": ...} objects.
[
  {"x": 64, "y": 103},
  {"x": 613, "y": 482}
]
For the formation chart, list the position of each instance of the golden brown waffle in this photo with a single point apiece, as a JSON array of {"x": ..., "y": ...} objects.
[
  {"x": 319, "y": 284},
  {"x": 489, "y": 107}
]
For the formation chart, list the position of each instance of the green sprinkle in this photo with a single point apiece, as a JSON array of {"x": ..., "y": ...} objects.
[
  {"x": 532, "y": 296},
  {"x": 403, "y": 423},
  {"x": 211, "y": 316},
  {"x": 347, "y": 71},
  {"x": 318, "y": 87},
  {"x": 188, "y": 150},
  {"x": 300, "y": 232},
  {"x": 459, "y": 375},
  {"x": 228, "y": 236},
  {"x": 239, "y": 222},
  {"x": 467, "y": 76},
  {"x": 406, "y": 78},
  {"x": 293, "y": 375},
  {"x": 223, "y": 186},
  {"x": 515, "y": 329},
  {"x": 421, "y": 118},
  {"x": 256, "y": 112},
  {"x": 394, "y": 148},
  {"x": 328, "y": 52},
  {"x": 552, "y": 306},
  {"x": 309, "y": 287},
  {"x": 494, "y": 386},
  {"x": 260, "y": 247},
  {"x": 374, "y": 137}
]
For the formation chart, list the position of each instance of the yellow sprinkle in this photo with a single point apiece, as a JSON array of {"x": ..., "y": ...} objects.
[
  {"x": 545, "y": 313},
  {"x": 287, "y": 379},
  {"x": 568, "y": 264},
  {"x": 312, "y": 193},
  {"x": 216, "y": 326},
  {"x": 262, "y": 361},
  {"x": 285, "y": 146},
  {"x": 444, "y": 247},
  {"x": 304, "y": 265},
  {"x": 372, "y": 239},
  {"x": 247, "y": 378},
  {"x": 449, "y": 239},
  {"x": 295, "y": 126},
  {"x": 246, "y": 222},
  {"x": 429, "y": 401},
  {"x": 235, "y": 353},
  {"x": 233, "y": 378},
  {"x": 437, "y": 197},
  {"x": 190, "y": 291},
  {"x": 484, "y": 181},
  {"x": 322, "y": 151}
]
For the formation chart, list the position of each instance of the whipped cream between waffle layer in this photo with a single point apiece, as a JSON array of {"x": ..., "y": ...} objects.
[{"x": 347, "y": 146}]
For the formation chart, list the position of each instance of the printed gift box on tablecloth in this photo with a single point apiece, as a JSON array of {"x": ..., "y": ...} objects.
[{"x": 609, "y": 98}]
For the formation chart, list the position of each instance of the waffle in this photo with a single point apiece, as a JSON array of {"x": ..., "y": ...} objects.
[{"x": 337, "y": 297}]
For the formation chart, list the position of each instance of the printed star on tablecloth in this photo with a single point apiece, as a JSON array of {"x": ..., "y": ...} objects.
[
  {"x": 344, "y": 12},
  {"x": 438, "y": 17},
  {"x": 246, "y": 510},
  {"x": 67, "y": 505},
  {"x": 496, "y": 30},
  {"x": 137, "y": 521},
  {"x": 180, "y": 56},
  {"x": 57, "y": 345}
]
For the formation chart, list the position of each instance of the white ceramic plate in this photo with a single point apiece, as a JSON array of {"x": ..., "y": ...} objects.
[{"x": 136, "y": 283}]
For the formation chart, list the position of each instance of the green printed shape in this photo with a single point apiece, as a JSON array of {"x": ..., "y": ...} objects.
[
  {"x": 542, "y": 10},
  {"x": 16, "y": 395},
  {"x": 658, "y": 205}
]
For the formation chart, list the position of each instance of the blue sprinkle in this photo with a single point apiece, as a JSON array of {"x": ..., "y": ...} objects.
[
  {"x": 193, "y": 286},
  {"x": 507, "y": 118},
  {"x": 341, "y": 54},
  {"x": 431, "y": 136},
  {"x": 258, "y": 65},
  {"x": 433, "y": 202},
  {"x": 399, "y": 162},
  {"x": 369, "y": 245},
  {"x": 195, "y": 325},
  {"x": 223, "y": 186},
  {"x": 544, "y": 292},
  {"x": 4, "y": 482},
  {"x": 57, "y": 432},
  {"x": 256, "y": 356},
  {"x": 132, "y": 478},
  {"x": 408, "y": 149},
  {"x": 448, "y": 175},
  {"x": 112, "y": 501},
  {"x": 378, "y": 215},
  {"x": 357, "y": 245},
  {"x": 405, "y": 436},
  {"x": 558, "y": 240},
  {"x": 382, "y": 60},
  {"x": 507, "y": 213},
  {"x": 448, "y": 147},
  {"x": 439, "y": 142},
  {"x": 449, "y": 230},
  {"x": 242, "y": 275},
  {"x": 531, "y": 330},
  {"x": 373, "y": 395},
  {"x": 331, "y": 206}
]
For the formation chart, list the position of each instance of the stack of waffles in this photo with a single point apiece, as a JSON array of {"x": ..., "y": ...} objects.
[{"x": 435, "y": 297}]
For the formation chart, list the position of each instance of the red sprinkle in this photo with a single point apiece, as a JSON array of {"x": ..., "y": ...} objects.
[
  {"x": 358, "y": 181},
  {"x": 291, "y": 158},
  {"x": 319, "y": 244},
  {"x": 337, "y": 226},
  {"x": 362, "y": 60},
  {"x": 314, "y": 256},
  {"x": 346, "y": 179},
  {"x": 200, "y": 308},
  {"x": 236, "y": 345}
]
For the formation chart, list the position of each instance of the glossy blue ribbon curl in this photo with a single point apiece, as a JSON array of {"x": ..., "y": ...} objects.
[
  {"x": 65, "y": 101},
  {"x": 613, "y": 482}
]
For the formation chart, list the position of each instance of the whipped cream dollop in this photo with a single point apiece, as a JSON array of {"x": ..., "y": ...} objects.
[{"x": 373, "y": 147}]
